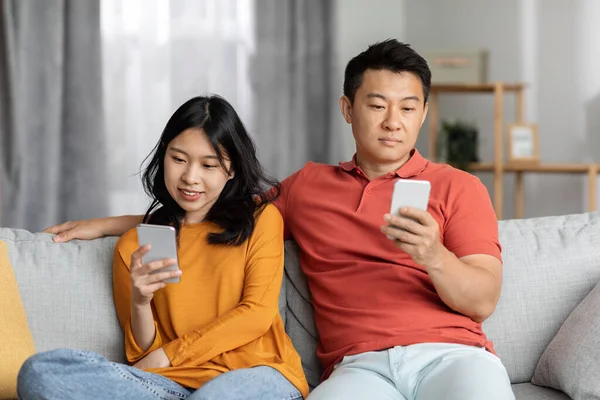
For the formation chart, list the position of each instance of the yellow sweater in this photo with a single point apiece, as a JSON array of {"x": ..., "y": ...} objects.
[{"x": 224, "y": 314}]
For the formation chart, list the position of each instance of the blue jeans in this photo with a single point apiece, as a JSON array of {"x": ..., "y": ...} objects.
[
  {"x": 72, "y": 374},
  {"x": 427, "y": 371}
]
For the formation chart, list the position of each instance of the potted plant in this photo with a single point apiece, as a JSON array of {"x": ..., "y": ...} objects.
[{"x": 458, "y": 144}]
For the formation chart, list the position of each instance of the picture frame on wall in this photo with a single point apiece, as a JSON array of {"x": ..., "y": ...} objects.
[{"x": 523, "y": 143}]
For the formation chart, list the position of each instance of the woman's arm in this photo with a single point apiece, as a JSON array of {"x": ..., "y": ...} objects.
[
  {"x": 257, "y": 309},
  {"x": 133, "y": 290},
  {"x": 142, "y": 326},
  {"x": 88, "y": 229}
]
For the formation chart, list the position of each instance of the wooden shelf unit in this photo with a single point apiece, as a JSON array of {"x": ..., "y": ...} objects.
[{"x": 498, "y": 166}]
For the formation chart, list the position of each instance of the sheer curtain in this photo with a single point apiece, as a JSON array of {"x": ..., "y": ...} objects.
[{"x": 156, "y": 55}]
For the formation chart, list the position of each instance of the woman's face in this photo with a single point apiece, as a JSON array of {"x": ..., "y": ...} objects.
[{"x": 193, "y": 175}]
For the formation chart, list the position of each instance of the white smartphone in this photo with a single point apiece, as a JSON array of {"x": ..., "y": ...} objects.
[
  {"x": 162, "y": 240},
  {"x": 410, "y": 193}
]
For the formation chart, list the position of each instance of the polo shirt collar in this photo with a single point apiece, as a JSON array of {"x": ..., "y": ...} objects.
[{"x": 413, "y": 167}]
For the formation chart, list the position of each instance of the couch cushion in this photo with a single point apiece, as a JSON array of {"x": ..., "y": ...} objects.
[
  {"x": 300, "y": 323},
  {"x": 550, "y": 265},
  {"x": 527, "y": 391},
  {"x": 80, "y": 313},
  {"x": 17, "y": 343},
  {"x": 571, "y": 362}
]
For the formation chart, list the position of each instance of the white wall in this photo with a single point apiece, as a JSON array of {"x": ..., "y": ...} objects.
[
  {"x": 358, "y": 23},
  {"x": 559, "y": 110},
  {"x": 566, "y": 99},
  {"x": 588, "y": 15},
  {"x": 436, "y": 24}
]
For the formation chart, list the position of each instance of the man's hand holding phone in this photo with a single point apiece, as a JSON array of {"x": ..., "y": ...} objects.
[
  {"x": 417, "y": 233},
  {"x": 144, "y": 278},
  {"x": 410, "y": 225}
]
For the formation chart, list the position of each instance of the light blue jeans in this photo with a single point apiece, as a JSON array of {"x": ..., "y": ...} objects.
[
  {"x": 427, "y": 371},
  {"x": 72, "y": 374}
]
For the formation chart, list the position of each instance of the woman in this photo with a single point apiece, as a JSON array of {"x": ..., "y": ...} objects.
[{"x": 217, "y": 334}]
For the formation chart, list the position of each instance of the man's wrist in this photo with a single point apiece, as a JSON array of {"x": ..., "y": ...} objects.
[{"x": 439, "y": 259}]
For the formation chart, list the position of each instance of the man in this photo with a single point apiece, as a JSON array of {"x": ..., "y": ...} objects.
[{"x": 399, "y": 318}]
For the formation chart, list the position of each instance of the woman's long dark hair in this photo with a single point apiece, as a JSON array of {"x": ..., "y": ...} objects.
[{"x": 243, "y": 196}]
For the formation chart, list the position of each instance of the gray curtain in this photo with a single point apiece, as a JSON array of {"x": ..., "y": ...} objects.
[
  {"x": 52, "y": 155},
  {"x": 291, "y": 80}
]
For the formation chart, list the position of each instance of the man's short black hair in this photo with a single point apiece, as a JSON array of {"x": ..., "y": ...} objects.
[{"x": 390, "y": 55}]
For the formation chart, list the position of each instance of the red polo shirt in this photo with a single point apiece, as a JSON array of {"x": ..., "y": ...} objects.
[{"x": 369, "y": 295}]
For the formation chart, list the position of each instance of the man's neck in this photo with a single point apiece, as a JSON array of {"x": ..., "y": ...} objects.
[{"x": 374, "y": 170}]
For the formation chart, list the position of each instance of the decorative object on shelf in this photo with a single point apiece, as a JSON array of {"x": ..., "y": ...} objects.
[
  {"x": 523, "y": 143},
  {"x": 458, "y": 66},
  {"x": 458, "y": 144},
  {"x": 497, "y": 166}
]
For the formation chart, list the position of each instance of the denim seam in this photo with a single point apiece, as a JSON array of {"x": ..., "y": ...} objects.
[
  {"x": 147, "y": 384},
  {"x": 150, "y": 386},
  {"x": 397, "y": 360},
  {"x": 293, "y": 396}
]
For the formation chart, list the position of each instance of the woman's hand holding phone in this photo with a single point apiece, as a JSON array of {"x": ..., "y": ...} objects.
[{"x": 144, "y": 280}]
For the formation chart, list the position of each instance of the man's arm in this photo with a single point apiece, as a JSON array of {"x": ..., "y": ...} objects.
[
  {"x": 88, "y": 229},
  {"x": 466, "y": 266},
  {"x": 469, "y": 285}
]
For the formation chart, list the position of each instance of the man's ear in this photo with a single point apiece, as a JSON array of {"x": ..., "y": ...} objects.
[
  {"x": 426, "y": 106},
  {"x": 346, "y": 109}
]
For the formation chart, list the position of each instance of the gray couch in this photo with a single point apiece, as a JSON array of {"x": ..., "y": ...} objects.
[{"x": 550, "y": 265}]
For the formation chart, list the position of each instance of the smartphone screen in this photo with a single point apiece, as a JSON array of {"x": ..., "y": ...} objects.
[
  {"x": 410, "y": 193},
  {"x": 162, "y": 240}
]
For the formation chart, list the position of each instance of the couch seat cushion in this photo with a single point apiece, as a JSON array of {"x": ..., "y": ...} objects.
[{"x": 527, "y": 391}]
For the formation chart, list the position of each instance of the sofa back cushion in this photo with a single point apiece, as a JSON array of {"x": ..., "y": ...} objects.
[
  {"x": 550, "y": 265},
  {"x": 300, "y": 323},
  {"x": 66, "y": 291}
]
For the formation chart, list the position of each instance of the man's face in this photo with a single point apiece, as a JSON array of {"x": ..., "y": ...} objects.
[{"x": 386, "y": 116}]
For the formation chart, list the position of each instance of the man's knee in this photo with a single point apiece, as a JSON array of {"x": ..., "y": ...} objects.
[{"x": 468, "y": 378}]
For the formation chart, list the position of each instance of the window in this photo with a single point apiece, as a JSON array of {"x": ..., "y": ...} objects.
[{"x": 156, "y": 55}]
